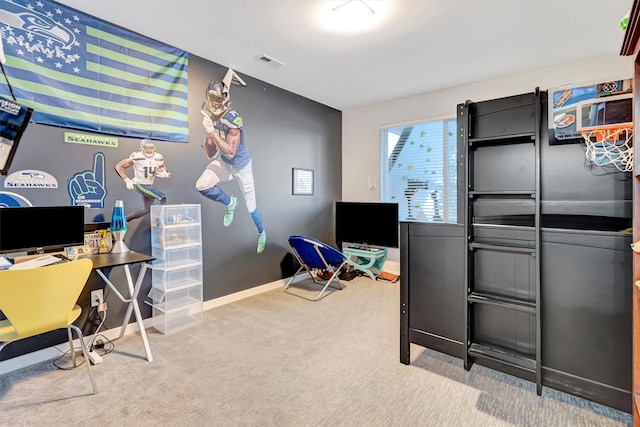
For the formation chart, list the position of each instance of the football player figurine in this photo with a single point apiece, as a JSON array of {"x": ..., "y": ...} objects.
[
  {"x": 230, "y": 158},
  {"x": 147, "y": 163}
]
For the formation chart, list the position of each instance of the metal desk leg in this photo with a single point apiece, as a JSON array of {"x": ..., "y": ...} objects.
[{"x": 133, "y": 303}]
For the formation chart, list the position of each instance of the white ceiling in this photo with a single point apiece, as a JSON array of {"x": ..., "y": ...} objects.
[{"x": 422, "y": 46}]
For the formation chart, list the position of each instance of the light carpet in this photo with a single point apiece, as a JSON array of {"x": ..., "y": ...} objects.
[{"x": 277, "y": 360}]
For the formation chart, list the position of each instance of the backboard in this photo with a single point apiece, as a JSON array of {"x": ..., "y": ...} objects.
[{"x": 577, "y": 107}]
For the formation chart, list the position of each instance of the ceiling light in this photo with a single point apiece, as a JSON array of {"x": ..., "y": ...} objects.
[
  {"x": 352, "y": 5},
  {"x": 352, "y": 16}
]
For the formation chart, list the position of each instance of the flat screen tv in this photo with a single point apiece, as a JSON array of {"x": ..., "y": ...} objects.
[
  {"x": 41, "y": 228},
  {"x": 366, "y": 223}
]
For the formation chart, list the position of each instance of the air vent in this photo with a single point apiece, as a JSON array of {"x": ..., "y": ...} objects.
[{"x": 270, "y": 60}]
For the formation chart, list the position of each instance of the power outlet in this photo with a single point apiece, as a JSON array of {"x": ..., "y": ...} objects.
[{"x": 97, "y": 297}]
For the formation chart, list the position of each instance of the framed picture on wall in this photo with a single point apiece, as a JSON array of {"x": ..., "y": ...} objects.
[{"x": 302, "y": 182}]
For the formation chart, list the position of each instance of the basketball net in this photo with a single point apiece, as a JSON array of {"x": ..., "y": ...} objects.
[{"x": 610, "y": 146}]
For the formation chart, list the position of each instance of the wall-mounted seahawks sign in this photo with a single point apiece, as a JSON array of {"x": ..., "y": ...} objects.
[{"x": 30, "y": 178}]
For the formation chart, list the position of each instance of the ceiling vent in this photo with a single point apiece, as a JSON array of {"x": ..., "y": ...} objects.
[{"x": 270, "y": 60}]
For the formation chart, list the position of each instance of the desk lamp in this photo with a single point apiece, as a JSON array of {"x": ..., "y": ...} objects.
[{"x": 118, "y": 228}]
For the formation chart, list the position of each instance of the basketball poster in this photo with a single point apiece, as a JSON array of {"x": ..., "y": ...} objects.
[{"x": 573, "y": 108}]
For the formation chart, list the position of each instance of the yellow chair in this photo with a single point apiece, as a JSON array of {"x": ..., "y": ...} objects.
[{"x": 43, "y": 299}]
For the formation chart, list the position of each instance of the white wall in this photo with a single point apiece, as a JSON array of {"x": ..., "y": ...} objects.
[{"x": 361, "y": 126}]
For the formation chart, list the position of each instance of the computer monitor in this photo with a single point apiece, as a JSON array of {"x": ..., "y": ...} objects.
[
  {"x": 367, "y": 223},
  {"x": 42, "y": 228}
]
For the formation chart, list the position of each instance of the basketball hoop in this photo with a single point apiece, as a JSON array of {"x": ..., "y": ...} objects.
[{"x": 610, "y": 145}]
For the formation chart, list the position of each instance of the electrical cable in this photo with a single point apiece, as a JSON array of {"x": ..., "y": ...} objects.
[
  {"x": 95, "y": 334},
  {"x": 108, "y": 345},
  {"x": 62, "y": 357}
]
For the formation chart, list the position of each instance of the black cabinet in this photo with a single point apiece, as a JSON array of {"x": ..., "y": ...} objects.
[
  {"x": 586, "y": 314},
  {"x": 431, "y": 296},
  {"x": 534, "y": 281}
]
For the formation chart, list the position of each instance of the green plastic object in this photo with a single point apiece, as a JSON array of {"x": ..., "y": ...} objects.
[{"x": 624, "y": 22}]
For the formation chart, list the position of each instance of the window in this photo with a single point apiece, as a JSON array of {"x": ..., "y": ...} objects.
[{"x": 418, "y": 170}]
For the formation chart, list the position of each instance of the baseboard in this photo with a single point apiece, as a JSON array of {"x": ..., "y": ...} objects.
[
  {"x": 56, "y": 351},
  {"x": 605, "y": 394},
  {"x": 227, "y": 299},
  {"x": 391, "y": 266}
]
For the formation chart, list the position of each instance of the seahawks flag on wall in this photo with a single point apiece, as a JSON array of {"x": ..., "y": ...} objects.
[{"x": 79, "y": 72}]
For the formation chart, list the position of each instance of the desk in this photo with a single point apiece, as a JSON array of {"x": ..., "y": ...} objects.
[
  {"x": 366, "y": 259},
  {"x": 125, "y": 260}
]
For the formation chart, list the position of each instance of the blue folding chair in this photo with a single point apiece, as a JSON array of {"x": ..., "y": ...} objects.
[{"x": 314, "y": 254}]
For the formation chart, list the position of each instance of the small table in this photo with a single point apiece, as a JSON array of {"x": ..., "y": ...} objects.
[
  {"x": 364, "y": 259},
  {"x": 126, "y": 259}
]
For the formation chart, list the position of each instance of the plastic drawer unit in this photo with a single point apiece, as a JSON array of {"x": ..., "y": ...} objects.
[
  {"x": 176, "y": 243},
  {"x": 173, "y": 278},
  {"x": 178, "y": 309},
  {"x": 176, "y": 257}
]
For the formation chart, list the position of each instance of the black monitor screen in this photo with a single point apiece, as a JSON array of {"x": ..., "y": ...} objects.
[
  {"x": 374, "y": 224},
  {"x": 29, "y": 229}
]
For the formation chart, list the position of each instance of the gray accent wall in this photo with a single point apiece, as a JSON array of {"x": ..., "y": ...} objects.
[{"x": 282, "y": 131}]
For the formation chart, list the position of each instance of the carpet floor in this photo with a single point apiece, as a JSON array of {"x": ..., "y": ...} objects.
[{"x": 277, "y": 360}]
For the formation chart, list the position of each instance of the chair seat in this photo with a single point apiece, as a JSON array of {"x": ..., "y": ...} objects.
[
  {"x": 9, "y": 333},
  {"x": 314, "y": 254},
  {"x": 44, "y": 299}
]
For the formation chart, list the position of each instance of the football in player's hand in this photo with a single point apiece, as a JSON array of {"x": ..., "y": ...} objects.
[{"x": 210, "y": 148}]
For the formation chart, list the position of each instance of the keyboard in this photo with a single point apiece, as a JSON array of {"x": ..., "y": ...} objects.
[{"x": 40, "y": 261}]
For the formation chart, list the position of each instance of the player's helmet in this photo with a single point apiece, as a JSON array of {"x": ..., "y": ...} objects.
[
  {"x": 218, "y": 99},
  {"x": 147, "y": 147}
]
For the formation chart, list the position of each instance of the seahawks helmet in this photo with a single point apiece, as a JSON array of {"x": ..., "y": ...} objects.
[
  {"x": 147, "y": 147},
  {"x": 217, "y": 96}
]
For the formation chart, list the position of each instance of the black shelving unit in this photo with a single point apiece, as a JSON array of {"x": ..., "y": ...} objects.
[
  {"x": 502, "y": 234},
  {"x": 533, "y": 279}
]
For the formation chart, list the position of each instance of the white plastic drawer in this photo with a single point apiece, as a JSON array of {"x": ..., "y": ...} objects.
[
  {"x": 169, "y": 258},
  {"x": 171, "y": 279},
  {"x": 172, "y": 300},
  {"x": 177, "y": 320},
  {"x": 174, "y": 236},
  {"x": 166, "y": 215}
]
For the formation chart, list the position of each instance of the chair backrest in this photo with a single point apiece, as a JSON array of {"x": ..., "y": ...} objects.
[
  {"x": 307, "y": 249},
  {"x": 38, "y": 300}
]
